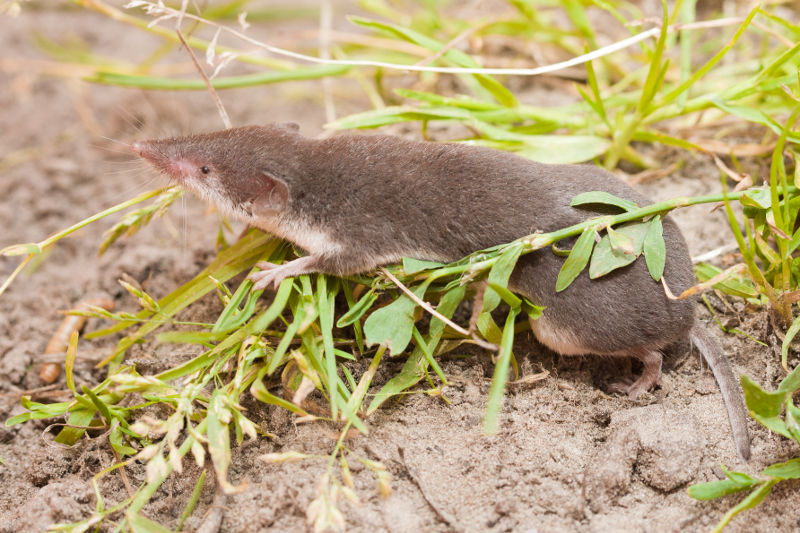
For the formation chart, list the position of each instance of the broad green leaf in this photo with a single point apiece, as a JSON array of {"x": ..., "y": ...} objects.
[
  {"x": 738, "y": 477},
  {"x": 601, "y": 197},
  {"x": 534, "y": 311},
  {"x": 654, "y": 248},
  {"x": 414, "y": 368},
  {"x": 608, "y": 257},
  {"x": 765, "y": 406},
  {"x": 762, "y": 402},
  {"x": 393, "y": 325},
  {"x": 412, "y": 266},
  {"x": 788, "y": 470},
  {"x": 577, "y": 259}
]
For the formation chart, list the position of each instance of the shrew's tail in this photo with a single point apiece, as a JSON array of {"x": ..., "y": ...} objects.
[{"x": 728, "y": 384}]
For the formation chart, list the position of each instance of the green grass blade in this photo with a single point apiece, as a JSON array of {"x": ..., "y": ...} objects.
[
  {"x": 228, "y": 82},
  {"x": 500, "y": 377},
  {"x": 326, "y": 309}
]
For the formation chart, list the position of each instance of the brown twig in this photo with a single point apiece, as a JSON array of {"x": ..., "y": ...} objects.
[{"x": 226, "y": 120}]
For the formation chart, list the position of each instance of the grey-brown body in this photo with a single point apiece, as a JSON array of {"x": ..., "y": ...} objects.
[{"x": 356, "y": 202}]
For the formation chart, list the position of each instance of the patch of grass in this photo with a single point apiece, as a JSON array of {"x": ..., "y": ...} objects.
[{"x": 659, "y": 91}]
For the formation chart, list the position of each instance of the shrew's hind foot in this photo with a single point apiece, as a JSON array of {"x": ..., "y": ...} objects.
[{"x": 651, "y": 375}]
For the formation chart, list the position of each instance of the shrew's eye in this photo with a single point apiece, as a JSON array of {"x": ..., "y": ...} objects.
[{"x": 205, "y": 170}]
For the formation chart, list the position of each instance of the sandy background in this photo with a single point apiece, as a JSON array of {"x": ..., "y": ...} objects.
[{"x": 569, "y": 457}]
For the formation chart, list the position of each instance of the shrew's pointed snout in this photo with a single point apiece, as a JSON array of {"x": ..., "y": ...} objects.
[{"x": 142, "y": 149}]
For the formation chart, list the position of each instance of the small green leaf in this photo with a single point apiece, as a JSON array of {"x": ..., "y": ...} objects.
[
  {"x": 601, "y": 197},
  {"x": 412, "y": 266},
  {"x": 506, "y": 295},
  {"x": 115, "y": 438},
  {"x": 792, "y": 419},
  {"x": 620, "y": 242},
  {"x": 534, "y": 311},
  {"x": 499, "y": 275},
  {"x": 654, "y": 248},
  {"x": 738, "y": 477},
  {"x": 78, "y": 419},
  {"x": 791, "y": 383},
  {"x": 577, "y": 259},
  {"x": 734, "y": 285},
  {"x": 791, "y": 333},
  {"x": 788, "y": 470},
  {"x": 606, "y": 259},
  {"x": 140, "y": 524},
  {"x": 21, "y": 249},
  {"x": 757, "y": 197},
  {"x": 795, "y": 242},
  {"x": 717, "y": 489},
  {"x": 219, "y": 440},
  {"x": 18, "y": 419},
  {"x": 357, "y": 311}
]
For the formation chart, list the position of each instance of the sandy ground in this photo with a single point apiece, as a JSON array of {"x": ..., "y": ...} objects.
[{"x": 568, "y": 457}]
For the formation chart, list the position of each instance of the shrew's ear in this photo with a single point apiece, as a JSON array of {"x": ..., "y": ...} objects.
[{"x": 272, "y": 198}]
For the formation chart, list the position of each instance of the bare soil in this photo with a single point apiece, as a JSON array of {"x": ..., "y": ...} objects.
[{"x": 568, "y": 457}]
